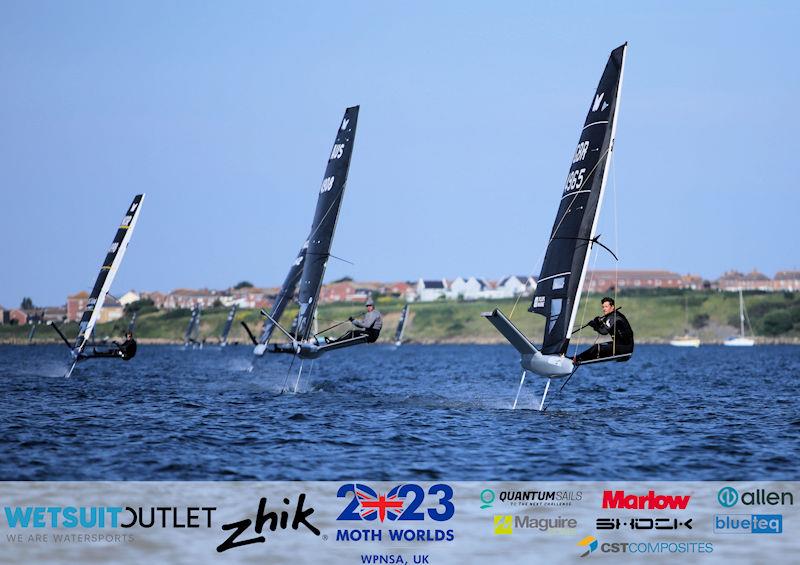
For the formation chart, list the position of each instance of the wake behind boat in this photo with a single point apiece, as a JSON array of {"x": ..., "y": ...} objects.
[
  {"x": 561, "y": 280},
  {"x": 97, "y": 298}
]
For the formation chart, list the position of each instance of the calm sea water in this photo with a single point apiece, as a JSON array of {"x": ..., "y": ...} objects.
[{"x": 417, "y": 412}]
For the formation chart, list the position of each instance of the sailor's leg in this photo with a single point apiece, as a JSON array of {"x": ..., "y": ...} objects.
[
  {"x": 546, "y": 388},
  {"x": 522, "y": 380}
]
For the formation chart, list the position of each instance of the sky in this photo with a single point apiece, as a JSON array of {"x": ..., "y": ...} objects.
[{"x": 224, "y": 114}]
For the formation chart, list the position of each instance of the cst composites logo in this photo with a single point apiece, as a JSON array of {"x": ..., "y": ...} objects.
[
  {"x": 591, "y": 544},
  {"x": 402, "y": 506},
  {"x": 729, "y": 497}
]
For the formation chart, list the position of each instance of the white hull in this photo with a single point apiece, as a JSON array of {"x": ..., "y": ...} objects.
[
  {"x": 685, "y": 342},
  {"x": 739, "y": 342}
]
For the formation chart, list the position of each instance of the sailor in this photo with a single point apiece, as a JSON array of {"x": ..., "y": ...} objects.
[
  {"x": 612, "y": 323},
  {"x": 127, "y": 349},
  {"x": 370, "y": 325}
]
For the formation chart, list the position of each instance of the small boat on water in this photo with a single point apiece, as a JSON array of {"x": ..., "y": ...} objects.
[
  {"x": 685, "y": 340},
  {"x": 741, "y": 340}
]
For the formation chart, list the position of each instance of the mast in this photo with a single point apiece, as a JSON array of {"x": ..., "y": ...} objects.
[
  {"x": 561, "y": 280},
  {"x": 285, "y": 295},
  {"x": 741, "y": 314},
  {"x": 223, "y": 340},
  {"x": 326, "y": 216},
  {"x": 108, "y": 271},
  {"x": 401, "y": 325}
]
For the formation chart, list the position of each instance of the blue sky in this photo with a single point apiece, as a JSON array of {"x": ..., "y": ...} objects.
[{"x": 224, "y": 114}]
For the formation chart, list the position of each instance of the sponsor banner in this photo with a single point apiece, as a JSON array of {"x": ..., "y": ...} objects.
[{"x": 386, "y": 522}]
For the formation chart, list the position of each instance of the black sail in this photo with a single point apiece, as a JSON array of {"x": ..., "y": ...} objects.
[
  {"x": 226, "y": 329},
  {"x": 561, "y": 278},
  {"x": 324, "y": 224},
  {"x": 189, "y": 334},
  {"x": 285, "y": 295},
  {"x": 401, "y": 325}
]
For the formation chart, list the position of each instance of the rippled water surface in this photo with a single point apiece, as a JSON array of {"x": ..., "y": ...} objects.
[{"x": 417, "y": 412}]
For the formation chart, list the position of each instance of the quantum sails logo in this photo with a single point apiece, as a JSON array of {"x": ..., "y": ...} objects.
[
  {"x": 531, "y": 498},
  {"x": 397, "y": 514}
]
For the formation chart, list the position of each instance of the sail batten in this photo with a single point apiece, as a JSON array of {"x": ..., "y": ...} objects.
[{"x": 561, "y": 279}]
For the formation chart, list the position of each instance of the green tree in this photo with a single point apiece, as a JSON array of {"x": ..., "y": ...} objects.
[
  {"x": 27, "y": 304},
  {"x": 243, "y": 284}
]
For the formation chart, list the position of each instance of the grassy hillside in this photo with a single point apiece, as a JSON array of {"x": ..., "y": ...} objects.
[{"x": 655, "y": 316}]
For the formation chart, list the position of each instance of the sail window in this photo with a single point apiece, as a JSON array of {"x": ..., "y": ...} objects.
[
  {"x": 555, "y": 312},
  {"x": 558, "y": 283}
]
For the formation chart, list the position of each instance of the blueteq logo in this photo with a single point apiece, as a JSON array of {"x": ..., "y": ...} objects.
[
  {"x": 398, "y": 506},
  {"x": 748, "y": 524}
]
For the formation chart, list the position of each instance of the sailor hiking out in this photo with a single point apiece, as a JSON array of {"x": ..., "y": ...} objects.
[
  {"x": 370, "y": 325},
  {"x": 612, "y": 323},
  {"x": 125, "y": 350}
]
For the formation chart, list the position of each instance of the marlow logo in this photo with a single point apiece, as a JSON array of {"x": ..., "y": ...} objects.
[
  {"x": 618, "y": 499},
  {"x": 503, "y": 525},
  {"x": 589, "y": 542},
  {"x": 729, "y": 496}
]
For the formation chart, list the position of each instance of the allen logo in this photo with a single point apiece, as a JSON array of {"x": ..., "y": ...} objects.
[{"x": 503, "y": 525}]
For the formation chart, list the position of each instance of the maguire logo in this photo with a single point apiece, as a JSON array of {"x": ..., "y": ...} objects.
[
  {"x": 503, "y": 525},
  {"x": 748, "y": 524},
  {"x": 652, "y": 501},
  {"x": 398, "y": 506},
  {"x": 590, "y": 543},
  {"x": 729, "y": 496}
]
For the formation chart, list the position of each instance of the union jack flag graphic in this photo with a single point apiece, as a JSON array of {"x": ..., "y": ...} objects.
[{"x": 372, "y": 504}]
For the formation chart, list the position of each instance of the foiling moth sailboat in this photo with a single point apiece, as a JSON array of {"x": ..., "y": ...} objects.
[
  {"x": 102, "y": 285},
  {"x": 308, "y": 268},
  {"x": 560, "y": 282},
  {"x": 223, "y": 338},
  {"x": 401, "y": 327},
  {"x": 192, "y": 334}
]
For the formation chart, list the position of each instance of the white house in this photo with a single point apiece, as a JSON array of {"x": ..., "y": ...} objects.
[
  {"x": 469, "y": 289},
  {"x": 515, "y": 285},
  {"x": 129, "y": 297},
  {"x": 430, "y": 290}
]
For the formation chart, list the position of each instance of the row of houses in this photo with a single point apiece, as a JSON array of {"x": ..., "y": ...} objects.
[{"x": 424, "y": 290}]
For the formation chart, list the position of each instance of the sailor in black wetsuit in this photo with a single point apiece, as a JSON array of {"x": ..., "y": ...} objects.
[
  {"x": 125, "y": 350},
  {"x": 612, "y": 323}
]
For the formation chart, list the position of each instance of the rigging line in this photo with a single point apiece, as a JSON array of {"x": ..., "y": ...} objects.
[
  {"x": 332, "y": 255},
  {"x": 586, "y": 305},
  {"x": 558, "y": 225},
  {"x": 616, "y": 245}
]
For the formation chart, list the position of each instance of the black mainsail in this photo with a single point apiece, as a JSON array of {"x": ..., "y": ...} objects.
[
  {"x": 324, "y": 225},
  {"x": 193, "y": 329},
  {"x": 564, "y": 268},
  {"x": 285, "y": 296},
  {"x": 226, "y": 329}
]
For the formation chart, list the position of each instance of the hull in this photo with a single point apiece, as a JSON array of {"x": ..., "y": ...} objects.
[
  {"x": 685, "y": 342},
  {"x": 739, "y": 342}
]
